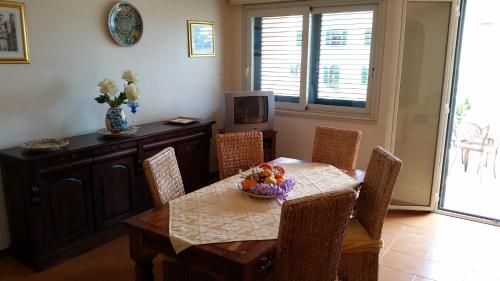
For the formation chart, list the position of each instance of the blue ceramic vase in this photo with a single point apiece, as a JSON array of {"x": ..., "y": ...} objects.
[{"x": 116, "y": 120}]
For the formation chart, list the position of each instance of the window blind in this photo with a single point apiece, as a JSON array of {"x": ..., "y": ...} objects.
[
  {"x": 277, "y": 56},
  {"x": 344, "y": 48}
]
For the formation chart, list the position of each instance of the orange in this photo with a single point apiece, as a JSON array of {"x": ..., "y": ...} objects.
[
  {"x": 279, "y": 179},
  {"x": 247, "y": 183}
]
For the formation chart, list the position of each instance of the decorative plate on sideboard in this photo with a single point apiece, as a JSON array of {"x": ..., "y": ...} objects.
[
  {"x": 45, "y": 144},
  {"x": 127, "y": 132}
]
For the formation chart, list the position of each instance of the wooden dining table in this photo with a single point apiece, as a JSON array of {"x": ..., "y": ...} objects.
[{"x": 245, "y": 260}]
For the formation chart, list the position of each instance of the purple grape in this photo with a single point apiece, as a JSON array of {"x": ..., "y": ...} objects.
[{"x": 280, "y": 191}]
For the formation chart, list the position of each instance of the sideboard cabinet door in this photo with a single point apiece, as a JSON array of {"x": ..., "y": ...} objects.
[
  {"x": 113, "y": 185},
  {"x": 66, "y": 201},
  {"x": 193, "y": 159}
]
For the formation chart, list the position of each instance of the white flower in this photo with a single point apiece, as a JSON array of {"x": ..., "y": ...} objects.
[
  {"x": 132, "y": 92},
  {"x": 107, "y": 87},
  {"x": 128, "y": 75}
]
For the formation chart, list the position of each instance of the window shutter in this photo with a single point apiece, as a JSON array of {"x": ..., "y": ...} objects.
[
  {"x": 278, "y": 55},
  {"x": 344, "y": 47}
]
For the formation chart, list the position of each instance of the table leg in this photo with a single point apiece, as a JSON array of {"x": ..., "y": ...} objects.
[{"x": 142, "y": 256}]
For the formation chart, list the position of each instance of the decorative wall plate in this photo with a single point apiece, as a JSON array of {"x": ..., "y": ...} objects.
[
  {"x": 127, "y": 132},
  {"x": 45, "y": 144},
  {"x": 125, "y": 24}
]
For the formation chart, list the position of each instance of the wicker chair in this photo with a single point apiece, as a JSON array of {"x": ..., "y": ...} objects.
[
  {"x": 360, "y": 251},
  {"x": 163, "y": 176},
  {"x": 238, "y": 151},
  {"x": 165, "y": 183},
  {"x": 337, "y": 147},
  {"x": 310, "y": 236}
]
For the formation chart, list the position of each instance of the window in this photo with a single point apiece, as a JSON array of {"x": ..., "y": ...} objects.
[
  {"x": 316, "y": 60},
  {"x": 276, "y": 54}
]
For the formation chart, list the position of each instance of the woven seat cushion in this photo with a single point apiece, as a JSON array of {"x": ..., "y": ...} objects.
[{"x": 357, "y": 239}]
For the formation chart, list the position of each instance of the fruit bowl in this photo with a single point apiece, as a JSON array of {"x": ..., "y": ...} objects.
[{"x": 267, "y": 181}]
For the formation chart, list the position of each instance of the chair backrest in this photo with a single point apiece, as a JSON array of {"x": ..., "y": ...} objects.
[
  {"x": 337, "y": 147},
  {"x": 163, "y": 176},
  {"x": 376, "y": 191},
  {"x": 238, "y": 151},
  {"x": 468, "y": 131},
  {"x": 310, "y": 236}
]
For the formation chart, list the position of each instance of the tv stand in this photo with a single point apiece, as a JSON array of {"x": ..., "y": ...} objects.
[{"x": 269, "y": 144}]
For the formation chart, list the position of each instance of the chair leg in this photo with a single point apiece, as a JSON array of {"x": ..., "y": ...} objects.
[
  {"x": 481, "y": 157},
  {"x": 466, "y": 159}
]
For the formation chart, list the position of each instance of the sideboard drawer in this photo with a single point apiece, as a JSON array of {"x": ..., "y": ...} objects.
[
  {"x": 114, "y": 148},
  {"x": 65, "y": 161},
  {"x": 164, "y": 141}
]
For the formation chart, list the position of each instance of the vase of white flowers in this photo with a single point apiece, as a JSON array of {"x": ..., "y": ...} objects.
[{"x": 116, "y": 120}]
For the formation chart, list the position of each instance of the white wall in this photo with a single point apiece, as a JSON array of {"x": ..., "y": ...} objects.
[
  {"x": 71, "y": 51},
  {"x": 296, "y": 135}
]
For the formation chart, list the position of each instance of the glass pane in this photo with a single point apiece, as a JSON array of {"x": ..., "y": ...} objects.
[
  {"x": 422, "y": 76},
  {"x": 250, "y": 110},
  {"x": 277, "y": 56},
  {"x": 472, "y": 180},
  {"x": 344, "y": 57}
]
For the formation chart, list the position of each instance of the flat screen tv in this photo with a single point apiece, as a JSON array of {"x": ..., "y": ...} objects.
[{"x": 249, "y": 111}]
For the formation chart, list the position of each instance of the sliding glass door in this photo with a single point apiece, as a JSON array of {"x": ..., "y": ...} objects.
[{"x": 471, "y": 181}]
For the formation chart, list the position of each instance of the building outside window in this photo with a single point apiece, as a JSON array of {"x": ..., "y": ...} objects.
[
  {"x": 294, "y": 70},
  {"x": 331, "y": 76},
  {"x": 336, "y": 37},
  {"x": 364, "y": 75},
  {"x": 368, "y": 37}
]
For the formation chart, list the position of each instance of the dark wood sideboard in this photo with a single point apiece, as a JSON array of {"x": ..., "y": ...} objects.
[{"x": 63, "y": 203}]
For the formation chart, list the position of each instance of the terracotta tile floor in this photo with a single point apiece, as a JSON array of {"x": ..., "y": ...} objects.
[{"x": 418, "y": 247}]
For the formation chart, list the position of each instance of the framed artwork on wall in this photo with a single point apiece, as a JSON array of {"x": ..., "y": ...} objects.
[
  {"x": 13, "y": 33},
  {"x": 201, "y": 38}
]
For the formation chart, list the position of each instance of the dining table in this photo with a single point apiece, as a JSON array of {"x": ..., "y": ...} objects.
[{"x": 149, "y": 236}]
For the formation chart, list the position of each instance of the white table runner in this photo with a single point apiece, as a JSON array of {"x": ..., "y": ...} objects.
[{"x": 220, "y": 213}]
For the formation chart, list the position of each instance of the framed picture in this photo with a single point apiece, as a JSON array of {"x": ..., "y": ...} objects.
[
  {"x": 201, "y": 38},
  {"x": 13, "y": 35}
]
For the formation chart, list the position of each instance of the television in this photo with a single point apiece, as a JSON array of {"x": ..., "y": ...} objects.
[{"x": 249, "y": 111}]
